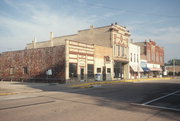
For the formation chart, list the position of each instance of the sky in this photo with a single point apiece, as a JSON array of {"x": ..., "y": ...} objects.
[{"x": 22, "y": 20}]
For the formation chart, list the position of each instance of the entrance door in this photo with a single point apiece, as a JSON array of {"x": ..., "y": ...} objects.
[
  {"x": 104, "y": 73},
  {"x": 82, "y": 73}
]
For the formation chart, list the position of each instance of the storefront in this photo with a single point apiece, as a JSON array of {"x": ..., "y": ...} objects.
[
  {"x": 146, "y": 70},
  {"x": 155, "y": 70}
]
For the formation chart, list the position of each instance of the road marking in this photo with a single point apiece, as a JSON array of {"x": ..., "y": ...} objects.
[
  {"x": 2, "y": 94},
  {"x": 172, "y": 94},
  {"x": 158, "y": 107},
  {"x": 146, "y": 103}
]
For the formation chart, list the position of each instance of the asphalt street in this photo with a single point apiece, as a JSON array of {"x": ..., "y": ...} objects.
[{"x": 113, "y": 102}]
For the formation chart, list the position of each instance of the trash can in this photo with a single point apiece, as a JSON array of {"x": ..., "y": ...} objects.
[{"x": 98, "y": 77}]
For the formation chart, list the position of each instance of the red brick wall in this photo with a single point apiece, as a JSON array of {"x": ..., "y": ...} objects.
[
  {"x": 38, "y": 61},
  {"x": 155, "y": 53}
]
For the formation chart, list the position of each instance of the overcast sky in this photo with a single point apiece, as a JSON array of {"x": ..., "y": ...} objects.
[{"x": 21, "y": 20}]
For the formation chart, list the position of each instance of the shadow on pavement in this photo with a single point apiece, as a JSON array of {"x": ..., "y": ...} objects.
[{"x": 118, "y": 96}]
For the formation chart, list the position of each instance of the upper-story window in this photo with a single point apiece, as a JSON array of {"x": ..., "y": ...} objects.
[
  {"x": 137, "y": 58},
  {"x": 134, "y": 57},
  {"x": 122, "y": 50},
  {"x": 114, "y": 50},
  {"x": 11, "y": 70},
  {"x": 119, "y": 50}
]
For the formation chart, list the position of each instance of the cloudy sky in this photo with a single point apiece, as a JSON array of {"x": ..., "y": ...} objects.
[{"x": 21, "y": 20}]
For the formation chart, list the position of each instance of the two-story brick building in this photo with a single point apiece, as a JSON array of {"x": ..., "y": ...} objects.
[{"x": 153, "y": 56}]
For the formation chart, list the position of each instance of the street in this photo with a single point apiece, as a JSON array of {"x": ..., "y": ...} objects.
[{"x": 127, "y": 101}]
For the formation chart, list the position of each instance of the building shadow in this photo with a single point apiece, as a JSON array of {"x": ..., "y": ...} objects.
[{"x": 118, "y": 96}]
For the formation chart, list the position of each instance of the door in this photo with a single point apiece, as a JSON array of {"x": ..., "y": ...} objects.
[
  {"x": 104, "y": 73},
  {"x": 82, "y": 73}
]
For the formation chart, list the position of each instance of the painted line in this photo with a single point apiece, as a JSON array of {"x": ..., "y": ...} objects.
[
  {"x": 3, "y": 94},
  {"x": 172, "y": 94},
  {"x": 157, "y": 107},
  {"x": 161, "y": 97}
]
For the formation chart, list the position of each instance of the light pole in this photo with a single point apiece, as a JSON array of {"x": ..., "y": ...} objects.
[{"x": 174, "y": 67}]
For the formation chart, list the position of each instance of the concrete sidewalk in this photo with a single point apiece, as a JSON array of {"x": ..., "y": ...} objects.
[{"x": 31, "y": 87}]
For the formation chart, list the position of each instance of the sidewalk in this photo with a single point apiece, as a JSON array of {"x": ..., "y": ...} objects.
[{"x": 9, "y": 88}]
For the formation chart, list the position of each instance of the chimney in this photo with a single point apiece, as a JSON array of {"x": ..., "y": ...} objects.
[
  {"x": 91, "y": 27},
  {"x": 51, "y": 35},
  {"x": 34, "y": 42},
  {"x": 51, "y": 39}
]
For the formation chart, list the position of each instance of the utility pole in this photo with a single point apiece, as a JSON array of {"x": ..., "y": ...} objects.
[{"x": 174, "y": 67}]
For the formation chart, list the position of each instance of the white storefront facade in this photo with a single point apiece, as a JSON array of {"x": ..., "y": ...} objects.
[{"x": 134, "y": 61}]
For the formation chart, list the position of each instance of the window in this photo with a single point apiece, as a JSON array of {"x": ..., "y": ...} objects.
[
  {"x": 122, "y": 50},
  {"x": 25, "y": 70},
  {"x": 108, "y": 70},
  {"x": 49, "y": 72},
  {"x": 72, "y": 70},
  {"x": 134, "y": 57},
  {"x": 118, "y": 69},
  {"x": 11, "y": 70},
  {"x": 90, "y": 71},
  {"x": 137, "y": 58},
  {"x": 114, "y": 50},
  {"x": 98, "y": 70},
  {"x": 119, "y": 50},
  {"x": 131, "y": 57}
]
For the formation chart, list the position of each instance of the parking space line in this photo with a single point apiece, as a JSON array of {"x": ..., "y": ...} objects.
[
  {"x": 172, "y": 94},
  {"x": 157, "y": 107},
  {"x": 146, "y": 103}
]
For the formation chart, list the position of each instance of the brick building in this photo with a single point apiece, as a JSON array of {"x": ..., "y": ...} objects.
[
  {"x": 105, "y": 51},
  {"x": 102, "y": 50},
  {"x": 33, "y": 64},
  {"x": 154, "y": 55},
  {"x": 114, "y": 37}
]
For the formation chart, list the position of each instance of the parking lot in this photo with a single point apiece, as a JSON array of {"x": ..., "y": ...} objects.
[{"x": 152, "y": 100}]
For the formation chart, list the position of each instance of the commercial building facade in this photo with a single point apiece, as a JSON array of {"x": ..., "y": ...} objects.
[
  {"x": 103, "y": 51},
  {"x": 114, "y": 37},
  {"x": 154, "y": 55},
  {"x": 134, "y": 61}
]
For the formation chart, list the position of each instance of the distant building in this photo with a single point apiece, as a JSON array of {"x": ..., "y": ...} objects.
[
  {"x": 172, "y": 68},
  {"x": 154, "y": 55}
]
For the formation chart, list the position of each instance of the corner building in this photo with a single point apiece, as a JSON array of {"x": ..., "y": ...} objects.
[{"x": 102, "y": 50}]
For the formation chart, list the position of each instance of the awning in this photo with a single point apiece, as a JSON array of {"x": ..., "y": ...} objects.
[
  {"x": 146, "y": 69},
  {"x": 135, "y": 69},
  {"x": 155, "y": 69}
]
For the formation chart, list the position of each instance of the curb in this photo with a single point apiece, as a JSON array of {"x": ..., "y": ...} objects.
[{"x": 91, "y": 84}]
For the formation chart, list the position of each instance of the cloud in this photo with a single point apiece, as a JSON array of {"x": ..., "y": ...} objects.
[{"x": 39, "y": 22}]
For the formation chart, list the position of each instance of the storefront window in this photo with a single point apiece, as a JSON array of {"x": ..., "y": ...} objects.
[
  {"x": 98, "y": 70},
  {"x": 72, "y": 70},
  {"x": 90, "y": 71},
  {"x": 108, "y": 70},
  {"x": 118, "y": 69}
]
